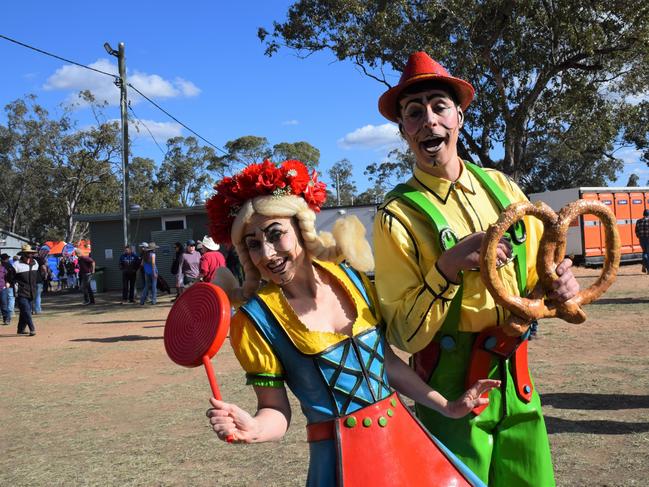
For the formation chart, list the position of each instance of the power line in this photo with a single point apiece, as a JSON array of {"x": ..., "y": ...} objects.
[
  {"x": 57, "y": 57},
  {"x": 147, "y": 128},
  {"x": 117, "y": 78},
  {"x": 174, "y": 118}
]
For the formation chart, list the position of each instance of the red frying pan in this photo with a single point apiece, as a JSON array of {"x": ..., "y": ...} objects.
[{"x": 196, "y": 328}]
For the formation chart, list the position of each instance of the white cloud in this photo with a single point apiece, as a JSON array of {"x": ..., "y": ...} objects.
[
  {"x": 75, "y": 78},
  {"x": 372, "y": 137},
  {"x": 291, "y": 122},
  {"x": 160, "y": 130},
  {"x": 187, "y": 88}
]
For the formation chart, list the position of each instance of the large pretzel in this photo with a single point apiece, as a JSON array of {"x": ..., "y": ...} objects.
[{"x": 551, "y": 252}]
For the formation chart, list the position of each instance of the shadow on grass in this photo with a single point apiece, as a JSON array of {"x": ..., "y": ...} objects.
[
  {"x": 621, "y": 301},
  {"x": 123, "y": 321},
  {"x": 596, "y": 427},
  {"x": 596, "y": 402},
  {"x": 123, "y": 338}
]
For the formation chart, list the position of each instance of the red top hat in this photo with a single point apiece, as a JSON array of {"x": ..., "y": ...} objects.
[{"x": 422, "y": 67}]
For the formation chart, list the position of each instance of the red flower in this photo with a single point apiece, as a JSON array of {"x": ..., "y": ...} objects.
[
  {"x": 269, "y": 178},
  {"x": 315, "y": 193},
  {"x": 297, "y": 174},
  {"x": 292, "y": 177},
  {"x": 220, "y": 218}
]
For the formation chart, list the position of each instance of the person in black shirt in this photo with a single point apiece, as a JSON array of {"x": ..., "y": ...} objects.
[
  {"x": 129, "y": 263},
  {"x": 26, "y": 277},
  {"x": 642, "y": 232}
]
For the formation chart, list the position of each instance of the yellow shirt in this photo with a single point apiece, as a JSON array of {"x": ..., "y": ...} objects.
[
  {"x": 414, "y": 296},
  {"x": 257, "y": 357}
]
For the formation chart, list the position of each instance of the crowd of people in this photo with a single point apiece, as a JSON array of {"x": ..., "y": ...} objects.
[
  {"x": 26, "y": 276},
  {"x": 194, "y": 261}
]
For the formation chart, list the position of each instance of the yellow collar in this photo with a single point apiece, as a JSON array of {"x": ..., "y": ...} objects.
[
  {"x": 308, "y": 341},
  {"x": 441, "y": 187}
]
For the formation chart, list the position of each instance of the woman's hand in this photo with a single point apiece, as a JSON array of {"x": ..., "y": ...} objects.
[
  {"x": 230, "y": 420},
  {"x": 470, "y": 399}
]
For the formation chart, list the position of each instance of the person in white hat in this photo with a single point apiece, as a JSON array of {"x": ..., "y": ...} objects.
[
  {"x": 26, "y": 279},
  {"x": 211, "y": 259}
]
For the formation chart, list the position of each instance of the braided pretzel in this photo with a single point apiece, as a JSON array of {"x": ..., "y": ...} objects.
[{"x": 551, "y": 251}]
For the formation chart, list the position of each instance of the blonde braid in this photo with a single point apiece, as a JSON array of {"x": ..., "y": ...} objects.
[{"x": 320, "y": 246}]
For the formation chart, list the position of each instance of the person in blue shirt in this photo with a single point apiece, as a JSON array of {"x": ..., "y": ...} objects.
[{"x": 129, "y": 263}]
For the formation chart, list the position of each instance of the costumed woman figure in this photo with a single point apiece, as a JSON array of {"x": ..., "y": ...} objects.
[{"x": 310, "y": 321}]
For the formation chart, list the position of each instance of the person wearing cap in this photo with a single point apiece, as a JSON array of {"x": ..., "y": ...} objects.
[
  {"x": 211, "y": 259},
  {"x": 310, "y": 321},
  {"x": 642, "y": 232},
  {"x": 150, "y": 270},
  {"x": 427, "y": 239},
  {"x": 190, "y": 264},
  {"x": 7, "y": 289},
  {"x": 26, "y": 278}
]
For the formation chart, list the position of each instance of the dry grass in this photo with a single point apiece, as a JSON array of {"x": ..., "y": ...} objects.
[{"x": 93, "y": 400}]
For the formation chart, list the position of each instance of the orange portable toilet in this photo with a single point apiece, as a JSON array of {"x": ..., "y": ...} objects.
[
  {"x": 592, "y": 234},
  {"x": 623, "y": 215},
  {"x": 607, "y": 199},
  {"x": 637, "y": 208}
]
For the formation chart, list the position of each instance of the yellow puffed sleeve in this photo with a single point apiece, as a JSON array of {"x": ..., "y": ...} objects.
[{"x": 254, "y": 354}]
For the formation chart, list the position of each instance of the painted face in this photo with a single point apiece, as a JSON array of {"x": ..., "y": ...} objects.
[
  {"x": 431, "y": 123},
  {"x": 274, "y": 248}
]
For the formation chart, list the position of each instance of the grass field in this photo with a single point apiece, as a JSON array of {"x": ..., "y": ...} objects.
[{"x": 92, "y": 399}]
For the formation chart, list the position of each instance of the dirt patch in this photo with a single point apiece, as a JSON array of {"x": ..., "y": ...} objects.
[{"x": 92, "y": 399}]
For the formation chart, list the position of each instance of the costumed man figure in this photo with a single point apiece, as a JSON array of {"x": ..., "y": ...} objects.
[
  {"x": 427, "y": 239},
  {"x": 314, "y": 326}
]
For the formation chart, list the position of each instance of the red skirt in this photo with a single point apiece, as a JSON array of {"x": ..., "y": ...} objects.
[{"x": 384, "y": 445}]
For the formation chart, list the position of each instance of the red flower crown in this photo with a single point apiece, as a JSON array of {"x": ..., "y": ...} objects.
[{"x": 290, "y": 178}]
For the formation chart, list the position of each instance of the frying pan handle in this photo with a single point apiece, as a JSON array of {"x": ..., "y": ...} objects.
[
  {"x": 211, "y": 377},
  {"x": 207, "y": 363}
]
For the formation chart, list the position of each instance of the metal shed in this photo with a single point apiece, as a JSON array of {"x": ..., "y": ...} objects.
[{"x": 167, "y": 226}]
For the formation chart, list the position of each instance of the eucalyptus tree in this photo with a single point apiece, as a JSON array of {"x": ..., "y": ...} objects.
[{"x": 553, "y": 79}]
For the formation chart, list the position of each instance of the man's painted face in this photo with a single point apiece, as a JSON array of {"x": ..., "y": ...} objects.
[
  {"x": 274, "y": 247},
  {"x": 430, "y": 123}
]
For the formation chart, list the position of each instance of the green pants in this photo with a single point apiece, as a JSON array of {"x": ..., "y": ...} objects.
[{"x": 507, "y": 444}]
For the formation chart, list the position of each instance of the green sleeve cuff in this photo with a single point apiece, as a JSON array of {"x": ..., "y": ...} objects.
[{"x": 265, "y": 380}]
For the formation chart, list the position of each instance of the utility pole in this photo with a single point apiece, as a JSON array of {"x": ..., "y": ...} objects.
[
  {"x": 337, "y": 188},
  {"x": 123, "y": 105}
]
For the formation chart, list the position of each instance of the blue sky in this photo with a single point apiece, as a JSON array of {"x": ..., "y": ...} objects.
[{"x": 203, "y": 63}]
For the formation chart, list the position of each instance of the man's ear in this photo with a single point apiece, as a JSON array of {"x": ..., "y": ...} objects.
[{"x": 460, "y": 116}]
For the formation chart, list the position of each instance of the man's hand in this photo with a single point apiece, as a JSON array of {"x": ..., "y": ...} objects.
[
  {"x": 566, "y": 287},
  {"x": 466, "y": 255}
]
